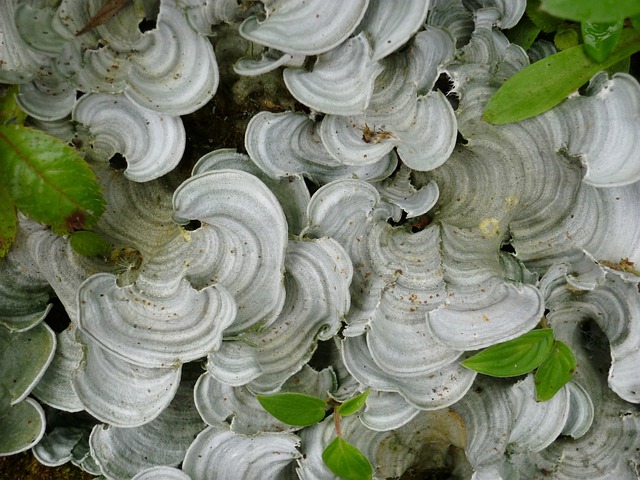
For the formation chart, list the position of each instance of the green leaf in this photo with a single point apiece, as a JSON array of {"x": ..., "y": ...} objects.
[
  {"x": 623, "y": 66},
  {"x": 354, "y": 404},
  {"x": 8, "y": 222},
  {"x": 546, "y": 83},
  {"x": 543, "y": 20},
  {"x": 48, "y": 180},
  {"x": 10, "y": 112},
  {"x": 555, "y": 371},
  {"x": 346, "y": 461},
  {"x": 524, "y": 33},
  {"x": 89, "y": 244},
  {"x": 296, "y": 409},
  {"x": 515, "y": 357},
  {"x": 600, "y": 38},
  {"x": 592, "y": 10},
  {"x": 567, "y": 37}
]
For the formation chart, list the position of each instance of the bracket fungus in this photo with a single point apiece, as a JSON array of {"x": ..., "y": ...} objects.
[{"x": 372, "y": 238}]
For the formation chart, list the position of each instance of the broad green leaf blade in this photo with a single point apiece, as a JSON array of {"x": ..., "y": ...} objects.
[
  {"x": 546, "y": 83},
  {"x": 515, "y": 357},
  {"x": 89, "y": 244},
  {"x": 10, "y": 112},
  {"x": 555, "y": 371},
  {"x": 354, "y": 404},
  {"x": 346, "y": 461},
  {"x": 600, "y": 38},
  {"x": 295, "y": 409},
  {"x": 592, "y": 10},
  {"x": 48, "y": 180},
  {"x": 8, "y": 222}
]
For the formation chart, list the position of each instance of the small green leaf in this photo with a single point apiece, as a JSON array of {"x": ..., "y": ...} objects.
[
  {"x": 354, "y": 404},
  {"x": 592, "y": 10},
  {"x": 524, "y": 33},
  {"x": 566, "y": 37},
  {"x": 48, "y": 180},
  {"x": 555, "y": 371},
  {"x": 10, "y": 112},
  {"x": 546, "y": 83},
  {"x": 346, "y": 461},
  {"x": 295, "y": 409},
  {"x": 89, "y": 244},
  {"x": 8, "y": 222},
  {"x": 600, "y": 38},
  {"x": 515, "y": 357}
]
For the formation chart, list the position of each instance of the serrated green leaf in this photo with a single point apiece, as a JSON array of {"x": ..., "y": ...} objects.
[
  {"x": 8, "y": 222},
  {"x": 600, "y": 38},
  {"x": 546, "y": 83},
  {"x": 10, "y": 112},
  {"x": 515, "y": 357},
  {"x": 89, "y": 244},
  {"x": 346, "y": 461},
  {"x": 296, "y": 409},
  {"x": 524, "y": 33},
  {"x": 555, "y": 371},
  {"x": 48, "y": 180},
  {"x": 592, "y": 10},
  {"x": 354, "y": 404}
]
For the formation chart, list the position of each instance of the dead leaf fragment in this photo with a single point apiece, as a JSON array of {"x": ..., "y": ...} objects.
[{"x": 108, "y": 10}]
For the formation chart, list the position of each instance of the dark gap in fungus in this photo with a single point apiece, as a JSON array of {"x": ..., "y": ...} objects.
[
  {"x": 57, "y": 318},
  {"x": 147, "y": 25},
  {"x": 192, "y": 225},
  {"x": 583, "y": 89},
  {"x": 118, "y": 162},
  {"x": 323, "y": 356},
  {"x": 460, "y": 140},
  {"x": 309, "y": 62},
  {"x": 79, "y": 94},
  {"x": 508, "y": 248},
  {"x": 413, "y": 224},
  {"x": 402, "y": 221},
  {"x": 546, "y": 312},
  {"x": 76, "y": 142},
  {"x": 311, "y": 186},
  {"x": 634, "y": 66},
  {"x": 596, "y": 345},
  {"x": 445, "y": 85}
]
